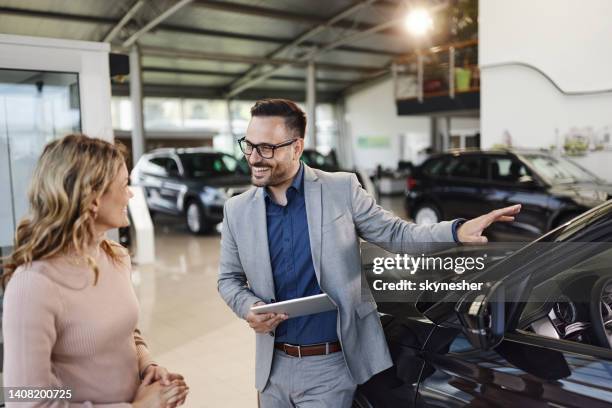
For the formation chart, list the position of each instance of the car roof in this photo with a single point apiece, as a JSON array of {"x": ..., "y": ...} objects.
[
  {"x": 183, "y": 150},
  {"x": 492, "y": 151}
]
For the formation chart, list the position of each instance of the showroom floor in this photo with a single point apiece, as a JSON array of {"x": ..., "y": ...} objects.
[{"x": 188, "y": 327}]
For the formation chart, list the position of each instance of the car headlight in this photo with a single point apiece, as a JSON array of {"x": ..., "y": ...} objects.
[{"x": 214, "y": 193}]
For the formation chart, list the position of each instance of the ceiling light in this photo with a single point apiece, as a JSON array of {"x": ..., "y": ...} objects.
[{"x": 418, "y": 22}]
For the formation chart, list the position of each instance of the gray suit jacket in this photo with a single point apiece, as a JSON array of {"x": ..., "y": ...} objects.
[{"x": 339, "y": 211}]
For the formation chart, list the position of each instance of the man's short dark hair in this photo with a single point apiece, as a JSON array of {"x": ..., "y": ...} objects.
[{"x": 295, "y": 118}]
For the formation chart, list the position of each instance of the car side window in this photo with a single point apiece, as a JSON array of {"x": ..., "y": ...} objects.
[
  {"x": 156, "y": 166},
  {"x": 433, "y": 167},
  {"x": 507, "y": 169},
  {"x": 470, "y": 167}
]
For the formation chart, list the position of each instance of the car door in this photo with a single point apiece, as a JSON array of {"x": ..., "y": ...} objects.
[
  {"x": 460, "y": 190},
  {"x": 541, "y": 362},
  {"x": 511, "y": 182},
  {"x": 173, "y": 185},
  {"x": 160, "y": 176}
]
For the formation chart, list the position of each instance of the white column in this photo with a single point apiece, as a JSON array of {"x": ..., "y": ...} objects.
[
  {"x": 311, "y": 105},
  {"x": 138, "y": 136}
]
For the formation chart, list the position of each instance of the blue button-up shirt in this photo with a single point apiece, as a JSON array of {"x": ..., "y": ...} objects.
[{"x": 292, "y": 267}]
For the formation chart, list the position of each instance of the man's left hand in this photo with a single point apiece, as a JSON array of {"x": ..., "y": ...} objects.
[{"x": 471, "y": 231}]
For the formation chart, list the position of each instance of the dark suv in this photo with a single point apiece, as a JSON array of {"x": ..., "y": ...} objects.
[
  {"x": 466, "y": 184},
  {"x": 191, "y": 183}
]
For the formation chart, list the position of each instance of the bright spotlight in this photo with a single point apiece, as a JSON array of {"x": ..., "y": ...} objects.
[{"x": 418, "y": 22}]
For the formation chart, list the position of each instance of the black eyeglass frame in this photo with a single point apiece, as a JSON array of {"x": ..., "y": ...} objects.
[{"x": 271, "y": 146}]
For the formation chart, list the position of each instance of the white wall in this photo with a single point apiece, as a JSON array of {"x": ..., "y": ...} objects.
[
  {"x": 567, "y": 40},
  {"x": 372, "y": 112},
  {"x": 88, "y": 59}
]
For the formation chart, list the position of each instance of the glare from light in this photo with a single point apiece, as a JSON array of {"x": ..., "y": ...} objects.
[{"x": 418, "y": 22}]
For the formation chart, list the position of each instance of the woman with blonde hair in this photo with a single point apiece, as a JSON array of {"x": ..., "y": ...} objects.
[{"x": 70, "y": 311}]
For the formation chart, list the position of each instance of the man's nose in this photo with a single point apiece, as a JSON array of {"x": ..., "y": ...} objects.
[{"x": 255, "y": 157}]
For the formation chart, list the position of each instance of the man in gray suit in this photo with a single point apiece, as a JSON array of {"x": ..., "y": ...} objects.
[{"x": 296, "y": 233}]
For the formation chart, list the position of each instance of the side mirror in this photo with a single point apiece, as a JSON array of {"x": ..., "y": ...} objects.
[{"x": 482, "y": 315}]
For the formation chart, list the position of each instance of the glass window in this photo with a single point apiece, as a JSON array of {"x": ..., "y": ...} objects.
[
  {"x": 162, "y": 113},
  {"x": 205, "y": 114},
  {"x": 208, "y": 164},
  {"x": 433, "y": 167},
  {"x": 507, "y": 169},
  {"x": 466, "y": 167},
  {"x": 121, "y": 113},
  {"x": 156, "y": 166},
  {"x": 559, "y": 169}
]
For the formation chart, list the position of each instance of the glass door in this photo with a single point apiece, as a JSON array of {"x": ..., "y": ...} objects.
[{"x": 35, "y": 108}]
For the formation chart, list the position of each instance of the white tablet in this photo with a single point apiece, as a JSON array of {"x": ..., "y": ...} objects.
[{"x": 298, "y": 307}]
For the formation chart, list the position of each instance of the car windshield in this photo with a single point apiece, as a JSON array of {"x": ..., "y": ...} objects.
[
  {"x": 316, "y": 159},
  {"x": 208, "y": 164},
  {"x": 559, "y": 169}
]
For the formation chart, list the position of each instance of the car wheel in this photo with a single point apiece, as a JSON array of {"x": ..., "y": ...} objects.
[
  {"x": 194, "y": 218},
  {"x": 427, "y": 214}
]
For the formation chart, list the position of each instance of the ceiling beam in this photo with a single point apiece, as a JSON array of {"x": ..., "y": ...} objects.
[
  {"x": 284, "y": 15},
  {"x": 207, "y": 92},
  {"x": 124, "y": 20},
  {"x": 245, "y": 59},
  {"x": 77, "y": 18},
  {"x": 314, "y": 54},
  {"x": 173, "y": 28},
  {"x": 156, "y": 21},
  {"x": 202, "y": 72},
  {"x": 269, "y": 39},
  {"x": 246, "y": 80}
]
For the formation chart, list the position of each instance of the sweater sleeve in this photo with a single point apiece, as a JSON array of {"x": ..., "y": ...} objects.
[
  {"x": 31, "y": 309},
  {"x": 144, "y": 357}
]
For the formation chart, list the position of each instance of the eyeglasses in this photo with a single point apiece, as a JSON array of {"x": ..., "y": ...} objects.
[{"x": 265, "y": 150}]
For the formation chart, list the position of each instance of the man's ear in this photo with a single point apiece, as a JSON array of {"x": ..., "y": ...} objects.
[{"x": 299, "y": 147}]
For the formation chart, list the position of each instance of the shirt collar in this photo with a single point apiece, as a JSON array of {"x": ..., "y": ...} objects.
[{"x": 297, "y": 184}]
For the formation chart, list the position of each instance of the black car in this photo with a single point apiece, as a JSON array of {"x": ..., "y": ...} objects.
[
  {"x": 539, "y": 335},
  {"x": 329, "y": 163},
  {"x": 191, "y": 183},
  {"x": 466, "y": 184}
]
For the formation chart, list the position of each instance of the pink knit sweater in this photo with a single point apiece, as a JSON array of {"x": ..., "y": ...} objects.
[{"x": 61, "y": 331}]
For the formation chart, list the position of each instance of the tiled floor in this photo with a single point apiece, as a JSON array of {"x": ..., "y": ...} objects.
[{"x": 189, "y": 328}]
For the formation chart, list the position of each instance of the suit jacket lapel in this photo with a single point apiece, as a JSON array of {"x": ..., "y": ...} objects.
[
  {"x": 261, "y": 254},
  {"x": 312, "y": 192}
]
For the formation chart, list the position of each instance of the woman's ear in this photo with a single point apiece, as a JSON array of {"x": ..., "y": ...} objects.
[{"x": 95, "y": 206}]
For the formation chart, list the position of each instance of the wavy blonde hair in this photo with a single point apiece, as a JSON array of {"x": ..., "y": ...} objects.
[{"x": 71, "y": 174}]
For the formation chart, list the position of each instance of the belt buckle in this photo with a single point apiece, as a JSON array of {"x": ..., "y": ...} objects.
[{"x": 293, "y": 345}]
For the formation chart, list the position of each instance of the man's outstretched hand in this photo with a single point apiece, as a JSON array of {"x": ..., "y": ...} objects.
[{"x": 471, "y": 231}]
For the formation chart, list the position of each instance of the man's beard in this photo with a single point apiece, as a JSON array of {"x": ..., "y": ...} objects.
[{"x": 276, "y": 175}]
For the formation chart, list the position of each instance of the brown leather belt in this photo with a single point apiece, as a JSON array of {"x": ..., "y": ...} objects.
[{"x": 311, "y": 350}]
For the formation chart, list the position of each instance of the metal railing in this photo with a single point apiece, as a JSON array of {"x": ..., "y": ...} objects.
[{"x": 445, "y": 70}]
